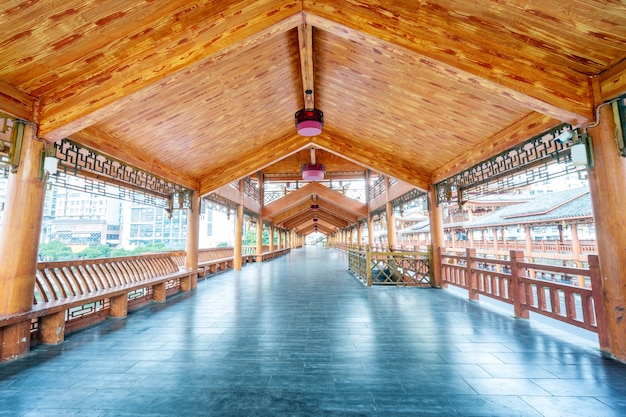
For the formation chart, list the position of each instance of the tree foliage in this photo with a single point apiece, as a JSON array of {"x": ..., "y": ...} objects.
[{"x": 55, "y": 251}]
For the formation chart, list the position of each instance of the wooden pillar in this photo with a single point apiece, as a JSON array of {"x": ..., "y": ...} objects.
[
  {"x": 259, "y": 239},
  {"x": 259, "y": 232},
  {"x": 437, "y": 239},
  {"x": 359, "y": 228},
  {"x": 529, "y": 247},
  {"x": 391, "y": 221},
  {"x": 19, "y": 241},
  {"x": 576, "y": 252},
  {"x": 607, "y": 182},
  {"x": 237, "y": 253},
  {"x": 272, "y": 237},
  {"x": 192, "y": 243},
  {"x": 370, "y": 225},
  {"x": 496, "y": 243}
]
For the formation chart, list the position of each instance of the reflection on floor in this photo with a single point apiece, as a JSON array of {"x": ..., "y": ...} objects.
[{"x": 299, "y": 336}]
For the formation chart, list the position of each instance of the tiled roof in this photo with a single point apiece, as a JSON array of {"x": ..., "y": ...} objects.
[
  {"x": 575, "y": 203},
  {"x": 569, "y": 204}
]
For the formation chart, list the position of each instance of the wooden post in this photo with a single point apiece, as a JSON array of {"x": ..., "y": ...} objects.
[
  {"x": 159, "y": 293},
  {"x": 391, "y": 218},
  {"x": 259, "y": 232},
  {"x": 472, "y": 281},
  {"x": 576, "y": 252},
  {"x": 517, "y": 290},
  {"x": 191, "y": 250},
  {"x": 259, "y": 239},
  {"x": 496, "y": 243},
  {"x": 368, "y": 264},
  {"x": 358, "y": 234},
  {"x": 599, "y": 305},
  {"x": 52, "y": 328},
  {"x": 436, "y": 232},
  {"x": 370, "y": 225},
  {"x": 607, "y": 182},
  {"x": 119, "y": 306},
  {"x": 272, "y": 237},
  {"x": 19, "y": 241},
  {"x": 237, "y": 253}
]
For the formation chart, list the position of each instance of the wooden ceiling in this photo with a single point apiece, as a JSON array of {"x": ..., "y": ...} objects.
[{"x": 204, "y": 92}]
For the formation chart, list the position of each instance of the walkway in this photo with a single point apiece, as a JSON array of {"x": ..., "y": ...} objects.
[{"x": 299, "y": 336}]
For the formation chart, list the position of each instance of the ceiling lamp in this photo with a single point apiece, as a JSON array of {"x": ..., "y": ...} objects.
[
  {"x": 309, "y": 121},
  {"x": 313, "y": 171}
]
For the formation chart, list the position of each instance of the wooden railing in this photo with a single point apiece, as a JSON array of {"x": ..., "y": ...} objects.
[
  {"x": 390, "y": 268},
  {"x": 214, "y": 260},
  {"x": 70, "y": 295},
  {"x": 513, "y": 281}
]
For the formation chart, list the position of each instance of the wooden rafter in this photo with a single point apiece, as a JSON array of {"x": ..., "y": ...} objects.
[
  {"x": 305, "y": 43},
  {"x": 541, "y": 86},
  {"x": 71, "y": 106}
]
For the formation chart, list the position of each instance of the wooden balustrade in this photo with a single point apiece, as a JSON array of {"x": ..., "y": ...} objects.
[
  {"x": 70, "y": 295},
  {"x": 570, "y": 295},
  {"x": 390, "y": 268}
]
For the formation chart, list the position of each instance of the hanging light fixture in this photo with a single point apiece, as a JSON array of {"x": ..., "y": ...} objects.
[
  {"x": 313, "y": 171},
  {"x": 309, "y": 121}
]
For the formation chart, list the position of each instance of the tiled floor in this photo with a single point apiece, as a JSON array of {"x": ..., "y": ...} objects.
[{"x": 299, "y": 336}]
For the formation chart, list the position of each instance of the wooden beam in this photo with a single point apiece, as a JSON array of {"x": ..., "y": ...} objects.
[
  {"x": 16, "y": 102},
  {"x": 295, "y": 197},
  {"x": 553, "y": 90},
  {"x": 237, "y": 26},
  {"x": 305, "y": 42},
  {"x": 389, "y": 161},
  {"x": 306, "y": 217},
  {"x": 531, "y": 125},
  {"x": 613, "y": 82},
  {"x": 250, "y": 161},
  {"x": 109, "y": 145}
]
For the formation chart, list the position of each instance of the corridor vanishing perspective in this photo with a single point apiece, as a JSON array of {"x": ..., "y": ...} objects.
[{"x": 300, "y": 336}]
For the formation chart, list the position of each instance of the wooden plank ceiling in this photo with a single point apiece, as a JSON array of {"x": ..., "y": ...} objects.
[{"x": 204, "y": 92}]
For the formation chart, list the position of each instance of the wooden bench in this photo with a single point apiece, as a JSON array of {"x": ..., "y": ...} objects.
[{"x": 73, "y": 294}]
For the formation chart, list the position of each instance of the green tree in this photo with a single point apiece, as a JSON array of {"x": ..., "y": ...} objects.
[
  {"x": 100, "y": 251},
  {"x": 55, "y": 251}
]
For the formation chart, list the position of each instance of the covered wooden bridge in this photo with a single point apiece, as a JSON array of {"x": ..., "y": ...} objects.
[{"x": 180, "y": 99}]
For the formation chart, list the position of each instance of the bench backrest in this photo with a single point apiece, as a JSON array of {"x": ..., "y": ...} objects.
[
  {"x": 58, "y": 280},
  {"x": 205, "y": 255}
]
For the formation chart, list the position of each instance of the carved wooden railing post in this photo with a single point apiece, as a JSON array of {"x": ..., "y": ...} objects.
[
  {"x": 597, "y": 292},
  {"x": 470, "y": 274},
  {"x": 517, "y": 290}
]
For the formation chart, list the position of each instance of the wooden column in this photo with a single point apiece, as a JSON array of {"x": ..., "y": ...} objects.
[
  {"x": 370, "y": 226},
  {"x": 191, "y": 249},
  {"x": 259, "y": 239},
  {"x": 359, "y": 232},
  {"x": 259, "y": 231},
  {"x": 237, "y": 253},
  {"x": 496, "y": 242},
  {"x": 19, "y": 241},
  {"x": 391, "y": 221},
  {"x": 529, "y": 247},
  {"x": 607, "y": 182},
  {"x": 272, "y": 237},
  {"x": 576, "y": 252},
  {"x": 436, "y": 234}
]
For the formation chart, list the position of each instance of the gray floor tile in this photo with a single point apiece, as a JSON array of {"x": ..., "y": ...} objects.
[{"x": 300, "y": 336}]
